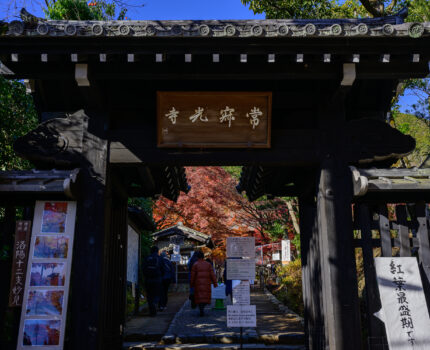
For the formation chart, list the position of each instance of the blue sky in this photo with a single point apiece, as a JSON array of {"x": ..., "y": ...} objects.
[{"x": 166, "y": 9}]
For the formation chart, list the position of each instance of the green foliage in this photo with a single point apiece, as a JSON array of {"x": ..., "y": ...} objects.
[
  {"x": 276, "y": 231},
  {"x": 234, "y": 171},
  {"x": 17, "y": 117},
  {"x": 419, "y": 11},
  {"x": 314, "y": 9},
  {"x": 419, "y": 129},
  {"x": 79, "y": 10},
  {"x": 291, "y": 285}
]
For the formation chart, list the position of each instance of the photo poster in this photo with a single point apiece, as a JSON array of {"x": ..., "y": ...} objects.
[{"x": 44, "y": 307}]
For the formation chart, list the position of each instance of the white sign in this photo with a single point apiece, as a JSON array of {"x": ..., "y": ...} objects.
[
  {"x": 286, "y": 250},
  {"x": 176, "y": 249},
  {"x": 218, "y": 292},
  {"x": 241, "y": 293},
  {"x": 241, "y": 316},
  {"x": 240, "y": 269},
  {"x": 276, "y": 256},
  {"x": 241, "y": 247},
  {"x": 175, "y": 257},
  {"x": 404, "y": 310}
]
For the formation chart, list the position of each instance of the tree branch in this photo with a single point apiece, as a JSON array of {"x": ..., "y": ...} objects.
[{"x": 371, "y": 9}]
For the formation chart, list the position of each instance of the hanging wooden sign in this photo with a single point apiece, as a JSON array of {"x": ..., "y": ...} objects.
[
  {"x": 19, "y": 267},
  {"x": 214, "y": 119}
]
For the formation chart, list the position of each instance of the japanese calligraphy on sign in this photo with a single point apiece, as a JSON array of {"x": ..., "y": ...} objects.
[
  {"x": 404, "y": 310},
  {"x": 214, "y": 119},
  {"x": 19, "y": 267}
]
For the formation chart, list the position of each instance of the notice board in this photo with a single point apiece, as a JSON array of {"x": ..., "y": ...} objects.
[{"x": 44, "y": 311}]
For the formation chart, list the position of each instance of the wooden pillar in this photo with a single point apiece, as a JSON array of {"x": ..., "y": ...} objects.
[
  {"x": 339, "y": 278},
  {"x": 311, "y": 273},
  {"x": 85, "y": 324}
]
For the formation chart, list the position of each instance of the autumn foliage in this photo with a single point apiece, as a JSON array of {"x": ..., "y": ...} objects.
[{"x": 214, "y": 207}]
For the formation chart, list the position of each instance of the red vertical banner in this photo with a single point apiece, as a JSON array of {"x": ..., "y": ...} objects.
[{"x": 19, "y": 267}]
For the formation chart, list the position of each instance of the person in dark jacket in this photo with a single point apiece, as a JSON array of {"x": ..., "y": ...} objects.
[
  {"x": 153, "y": 271},
  {"x": 190, "y": 264},
  {"x": 202, "y": 276},
  {"x": 167, "y": 278}
]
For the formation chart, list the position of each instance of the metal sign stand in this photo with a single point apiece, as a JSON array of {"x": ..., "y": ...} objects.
[{"x": 241, "y": 337}]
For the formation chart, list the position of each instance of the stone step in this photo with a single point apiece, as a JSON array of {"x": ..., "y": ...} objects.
[
  {"x": 249, "y": 337},
  {"x": 157, "y": 346}
]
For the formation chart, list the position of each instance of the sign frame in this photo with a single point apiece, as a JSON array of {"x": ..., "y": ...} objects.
[
  {"x": 236, "y": 243},
  {"x": 241, "y": 322},
  {"x": 240, "y": 95},
  {"x": 241, "y": 264}
]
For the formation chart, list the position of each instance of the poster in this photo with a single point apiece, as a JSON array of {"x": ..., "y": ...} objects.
[
  {"x": 404, "y": 309},
  {"x": 47, "y": 274},
  {"x": 241, "y": 247},
  {"x": 45, "y": 302},
  {"x": 44, "y": 307},
  {"x": 41, "y": 332},
  {"x": 51, "y": 246},
  {"x": 54, "y": 217},
  {"x": 241, "y": 269},
  {"x": 276, "y": 256},
  {"x": 241, "y": 316},
  {"x": 241, "y": 293}
]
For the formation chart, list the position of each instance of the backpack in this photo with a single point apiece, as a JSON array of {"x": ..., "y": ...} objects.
[
  {"x": 167, "y": 267},
  {"x": 152, "y": 267}
]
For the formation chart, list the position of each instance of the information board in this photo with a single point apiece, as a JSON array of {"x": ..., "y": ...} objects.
[
  {"x": 176, "y": 249},
  {"x": 286, "y": 251},
  {"x": 44, "y": 311},
  {"x": 404, "y": 310},
  {"x": 241, "y": 316},
  {"x": 218, "y": 292},
  {"x": 240, "y": 269},
  {"x": 241, "y": 293},
  {"x": 175, "y": 257},
  {"x": 276, "y": 256},
  {"x": 241, "y": 247}
]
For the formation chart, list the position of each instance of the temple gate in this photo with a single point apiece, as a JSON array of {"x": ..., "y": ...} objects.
[{"x": 328, "y": 84}]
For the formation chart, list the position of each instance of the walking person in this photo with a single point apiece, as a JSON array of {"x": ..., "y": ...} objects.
[
  {"x": 153, "y": 271},
  {"x": 167, "y": 278},
  {"x": 202, "y": 276},
  {"x": 190, "y": 264}
]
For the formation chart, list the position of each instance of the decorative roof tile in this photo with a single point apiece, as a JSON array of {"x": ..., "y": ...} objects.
[{"x": 375, "y": 27}]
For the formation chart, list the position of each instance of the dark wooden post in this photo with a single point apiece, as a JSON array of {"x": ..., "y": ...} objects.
[
  {"x": 89, "y": 245},
  {"x": 311, "y": 273},
  {"x": 339, "y": 278}
]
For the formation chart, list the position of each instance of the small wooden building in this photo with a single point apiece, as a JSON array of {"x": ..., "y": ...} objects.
[{"x": 188, "y": 239}]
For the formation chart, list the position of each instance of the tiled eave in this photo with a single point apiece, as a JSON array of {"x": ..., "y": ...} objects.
[{"x": 375, "y": 27}]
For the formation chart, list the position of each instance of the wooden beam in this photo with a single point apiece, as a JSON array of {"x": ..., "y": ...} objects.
[
  {"x": 341, "y": 308},
  {"x": 311, "y": 273}
]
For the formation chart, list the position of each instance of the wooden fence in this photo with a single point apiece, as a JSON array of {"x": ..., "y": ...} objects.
[{"x": 388, "y": 230}]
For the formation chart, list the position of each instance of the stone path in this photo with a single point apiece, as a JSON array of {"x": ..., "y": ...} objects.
[
  {"x": 277, "y": 328},
  {"x": 145, "y": 328}
]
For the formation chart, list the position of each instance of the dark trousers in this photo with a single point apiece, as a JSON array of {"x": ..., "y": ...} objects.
[
  {"x": 165, "y": 293},
  {"x": 202, "y": 309},
  {"x": 153, "y": 291}
]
